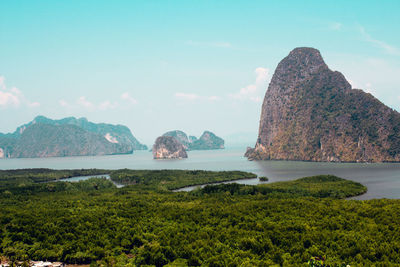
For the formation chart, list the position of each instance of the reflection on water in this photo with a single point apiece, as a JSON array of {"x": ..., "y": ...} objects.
[
  {"x": 382, "y": 179},
  {"x": 82, "y": 178}
]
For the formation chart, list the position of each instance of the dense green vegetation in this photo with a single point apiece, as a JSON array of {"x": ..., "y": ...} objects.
[
  {"x": 221, "y": 225},
  {"x": 24, "y": 177},
  {"x": 173, "y": 179},
  {"x": 320, "y": 186}
]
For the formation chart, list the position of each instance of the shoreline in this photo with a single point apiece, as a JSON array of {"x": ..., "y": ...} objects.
[{"x": 210, "y": 183}]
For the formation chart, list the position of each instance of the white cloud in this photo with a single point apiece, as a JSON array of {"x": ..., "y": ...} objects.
[
  {"x": 187, "y": 96},
  {"x": 256, "y": 99},
  {"x": 13, "y": 97},
  {"x": 107, "y": 105},
  {"x": 82, "y": 101},
  {"x": 369, "y": 89},
  {"x": 254, "y": 92},
  {"x": 2, "y": 84},
  {"x": 209, "y": 44},
  {"x": 213, "y": 98},
  {"x": 335, "y": 26},
  {"x": 190, "y": 97},
  {"x": 8, "y": 99},
  {"x": 354, "y": 84},
  {"x": 127, "y": 97},
  {"x": 63, "y": 103},
  {"x": 391, "y": 50},
  {"x": 34, "y": 104},
  {"x": 377, "y": 76}
]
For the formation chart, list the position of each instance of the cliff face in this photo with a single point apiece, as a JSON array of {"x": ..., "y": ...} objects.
[
  {"x": 311, "y": 113},
  {"x": 181, "y": 137},
  {"x": 44, "y": 137},
  {"x": 168, "y": 147}
]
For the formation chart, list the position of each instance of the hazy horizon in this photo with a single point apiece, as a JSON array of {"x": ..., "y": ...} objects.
[{"x": 158, "y": 66}]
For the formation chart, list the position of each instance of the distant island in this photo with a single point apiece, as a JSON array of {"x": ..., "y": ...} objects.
[
  {"x": 207, "y": 140},
  {"x": 311, "y": 113},
  {"x": 168, "y": 147},
  {"x": 44, "y": 137},
  {"x": 174, "y": 144}
]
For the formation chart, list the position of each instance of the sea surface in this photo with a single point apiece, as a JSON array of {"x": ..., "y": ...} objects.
[{"x": 382, "y": 179}]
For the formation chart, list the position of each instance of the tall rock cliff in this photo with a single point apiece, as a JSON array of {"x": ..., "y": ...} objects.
[{"x": 311, "y": 113}]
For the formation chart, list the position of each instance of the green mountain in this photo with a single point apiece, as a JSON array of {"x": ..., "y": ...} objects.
[
  {"x": 311, "y": 113},
  {"x": 44, "y": 137},
  {"x": 181, "y": 137},
  {"x": 207, "y": 140}
]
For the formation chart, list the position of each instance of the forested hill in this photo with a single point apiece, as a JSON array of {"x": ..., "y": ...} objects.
[{"x": 44, "y": 137}]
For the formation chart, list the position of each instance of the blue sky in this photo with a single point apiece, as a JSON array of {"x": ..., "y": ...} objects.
[{"x": 191, "y": 65}]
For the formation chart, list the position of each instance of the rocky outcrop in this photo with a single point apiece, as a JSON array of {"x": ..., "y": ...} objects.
[
  {"x": 181, "y": 137},
  {"x": 168, "y": 147},
  {"x": 44, "y": 137},
  {"x": 311, "y": 113},
  {"x": 249, "y": 151},
  {"x": 208, "y": 140}
]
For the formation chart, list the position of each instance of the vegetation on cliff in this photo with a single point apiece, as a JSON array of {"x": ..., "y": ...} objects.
[
  {"x": 311, "y": 113},
  {"x": 207, "y": 140},
  {"x": 44, "y": 137}
]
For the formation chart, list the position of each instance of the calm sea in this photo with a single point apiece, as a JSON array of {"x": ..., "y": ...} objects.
[{"x": 382, "y": 179}]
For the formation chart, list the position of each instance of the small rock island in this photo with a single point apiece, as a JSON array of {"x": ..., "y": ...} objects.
[
  {"x": 207, "y": 140},
  {"x": 168, "y": 147},
  {"x": 174, "y": 144}
]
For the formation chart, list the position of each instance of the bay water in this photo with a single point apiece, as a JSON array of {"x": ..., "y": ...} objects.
[{"x": 382, "y": 179}]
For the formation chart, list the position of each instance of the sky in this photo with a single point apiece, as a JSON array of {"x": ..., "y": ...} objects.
[{"x": 156, "y": 66}]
